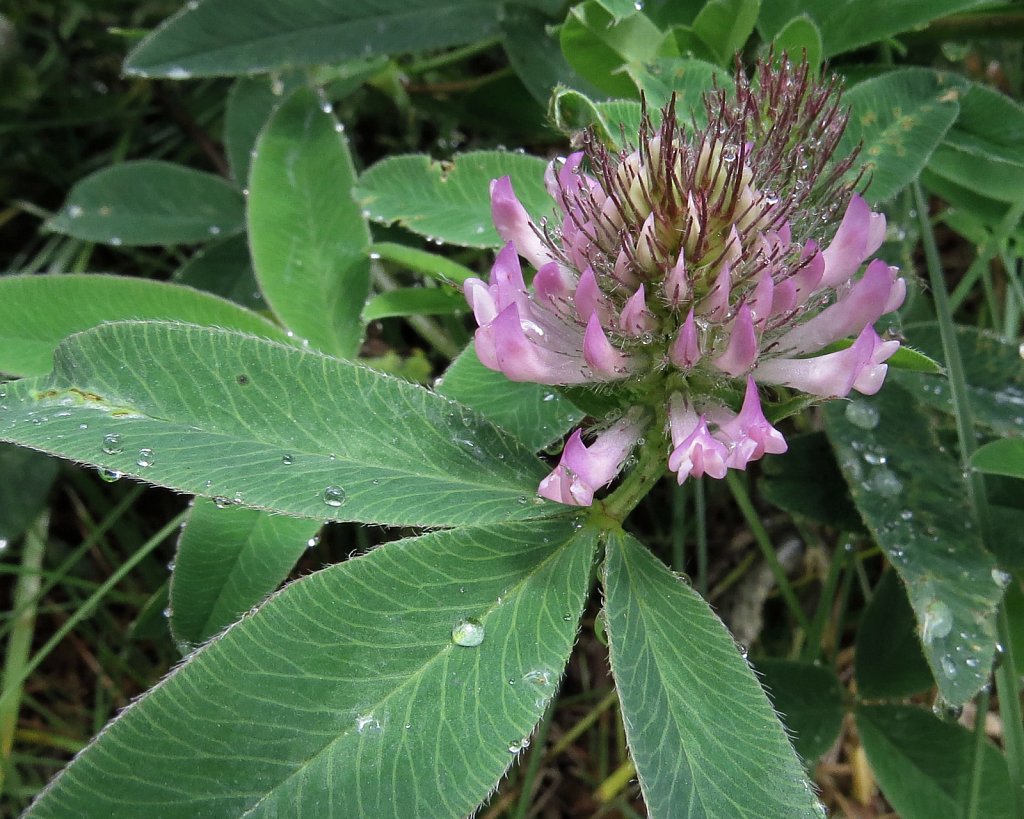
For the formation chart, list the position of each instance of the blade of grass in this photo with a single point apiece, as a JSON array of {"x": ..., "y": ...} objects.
[
  {"x": 742, "y": 498},
  {"x": 20, "y": 642},
  {"x": 87, "y": 608}
]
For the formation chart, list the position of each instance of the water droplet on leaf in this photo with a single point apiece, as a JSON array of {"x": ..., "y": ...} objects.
[
  {"x": 334, "y": 496},
  {"x": 468, "y": 633}
]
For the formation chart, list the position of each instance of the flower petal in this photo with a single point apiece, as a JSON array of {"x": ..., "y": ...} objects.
[
  {"x": 513, "y": 223},
  {"x": 741, "y": 353},
  {"x": 685, "y": 352},
  {"x": 599, "y": 353}
]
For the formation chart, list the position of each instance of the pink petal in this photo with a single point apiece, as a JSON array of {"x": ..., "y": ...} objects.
[
  {"x": 696, "y": 452},
  {"x": 741, "y": 353},
  {"x": 762, "y": 298},
  {"x": 715, "y": 304},
  {"x": 554, "y": 285},
  {"x": 478, "y": 296},
  {"x": 830, "y": 376},
  {"x": 862, "y": 305},
  {"x": 583, "y": 470},
  {"x": 599, "y": 353},
  {"x": 635, "y": 318},
  {"x": 677, "y": 283},
  {"x": 588, "y": 298},
  {"x": 807, "y": 278},
  {"x": 749, "y": 433},
  {"x": 869, "y": 380},
  {"x": 519, "y": 358},
  {"x": 860, "y": 234},
  {"x": 685, "y": 352},
  {"x": 513, "y": 223}
]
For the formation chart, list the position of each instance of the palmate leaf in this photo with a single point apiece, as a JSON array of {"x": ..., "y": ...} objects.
[
  {"x": 898, "y": 118},
  {"x": 226, "y": 37},
  {"x": 534, "y": 413},
  {"x": 345, "y": 695},
  {"x": 702, "y": 732},
  {"x": 912, "y": 497},
  {"x": 450, "y": 201},
  {"x": 228, "y": 560},
  {"x": 36, "y": 312},
  {"x": 307, "y": 235},
  {"x": 150, "y": 202},
  {"x": 216, "y": 413}
]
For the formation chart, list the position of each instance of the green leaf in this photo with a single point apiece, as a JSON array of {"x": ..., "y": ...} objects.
[
  {"x": 36, "y": 312},
  {"x": 855, "y": 23},
  {"x": 219, "y": 37},
  {"x": 228, "y": 560},
  {"x": 807, "y": 482},
  {"x": 889, "y": 662},
  {"x": 345, "y": 695},
  {"x": 217, "y": 411},
  {"x": 620, "y": 9},
  {"x": 149, "y": 202},
  {"x": 1003, "y": 457},
  {"x": 307, "y": 235},
  {"x": 995, "y": 376},
  {"x": 810, "y": 701},
  {"x": 725, "y": 26},
  {"x": 984, "y": 150},
  {"x": 250, "y": 103},
  {"x": 535, "y": 54},
  {"x": 924, "y": 766},
  {"x": 26, "y": 478},
  {"x": 912, "y": 497},
  {"x": 688, "y": 79},
  {"x": 429, "y": 264},
  {"x": 533, "y": 413},
  {"x": 899, "y": 117},
  {"x": 572, "y": 111},
  {"x": 701, "y": 731},
  {"x": 597, "y": 47},
  {"x": 415, "y": 301},
  {"x": 800, "y": 37},
  {"x": 450, "y": 201},
  {"x": 224, "y": 269}
]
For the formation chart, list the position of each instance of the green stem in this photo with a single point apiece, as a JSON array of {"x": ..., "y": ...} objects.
[
  {"x": 1009, "y": 690},
  {"x": 679, "y": 527},
  {"x": 87, "y": 608},
  {"x": 739, "y": 493},
  {"x": 701, "y": 509},
  {"x": 639, "y": 481},
  {"x": 812, "y": 647},
  {"x": 533, "y": 764},
  {"x": 988, "y": 250},
  {"x": 974, "y": 794},
  {"x": 450, "y": 57}
]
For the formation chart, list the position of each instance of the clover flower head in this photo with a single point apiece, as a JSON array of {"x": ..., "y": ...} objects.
[{"x": 691, "y": 269}]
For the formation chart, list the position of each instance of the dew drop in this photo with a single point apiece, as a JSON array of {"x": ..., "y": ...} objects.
[
  {"x": 115, "y": 241},
  {"x": 367, "y": 723},
  {"x": 948, "y": 666},
  {"x": 862, "y": 414},
  {"x": 468, "y": 633},
  {"x": 885, "y": 483},
  {"x": 112, "y": 443},
  {"x": 334, "y": 496},
  {"x": 177, "y": 73},
  {"x": 145, "y": 457},
  {"x": 214, "y": 230},
  {"x": 771, "y": 197},
  {"x": 942, "y": 708},
  {"x": 539, "y": 677},
  {"x": 313, "y": 542},
  {"x": 110, "y": 475},
  {"x": 729, "y": 153},
  {"x": 221, "y": 502},
  {"x": 938, "y": 621},
  {"x": 518, "y": 745},
  {"x": 287, "y": 460},
  {"x": 74, "y": 211},
  {"x": 1000, "y": 578}
]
